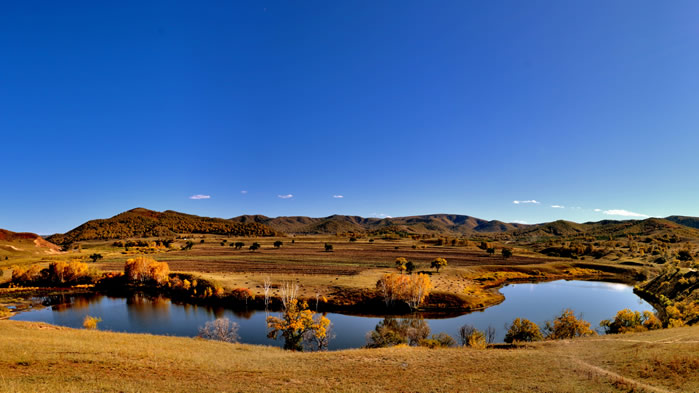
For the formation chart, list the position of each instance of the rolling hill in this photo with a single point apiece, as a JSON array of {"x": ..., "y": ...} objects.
[
  {"x": 16, "y": 243},
  {"x": 141, "y": 222}
]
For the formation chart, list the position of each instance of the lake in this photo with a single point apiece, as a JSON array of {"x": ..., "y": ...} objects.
[{"x": 537, "y": 302}]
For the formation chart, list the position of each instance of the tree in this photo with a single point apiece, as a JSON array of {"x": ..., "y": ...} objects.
[
  {"x": 278, "y": 244},
  {"x": 353, "y": 239},
  {"x": 401, "y": 264},
  {"x": 523, "y": 330},
  {"x": 254, "y": 246},
  {"x": 490, "y": 251},
  {"x": 221, "y": 329},
  {"x": 328, "y": 247},
  {"x": 631, "y": 321},
  {"x": 143, "y": 269},
  {"x": 411, "y": 290},
  {"x": 95, "y": 257},
  {"x": 567, "y": 326},
  {"x": 390, "y": 332},
  {"x": 188, "y": 245},
  {"x": 295, "y": 323},
  {"x": 410, "y": 267},
  {"x": 506, "y": 253},
  {"x": 239, "y": 245},
  {"x": 438, "y": 263}
]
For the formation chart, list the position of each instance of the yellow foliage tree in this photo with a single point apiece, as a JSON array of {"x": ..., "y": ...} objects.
[
  {"x": 568, "y": 326},
  {"x": 410, "y": 289},
  {"x": 298, "y": 323},
  {"x": 438, "y": 263},
  {"x": 142, "y": 269}
]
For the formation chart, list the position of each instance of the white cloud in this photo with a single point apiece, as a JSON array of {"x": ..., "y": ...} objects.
[
  {"x": 558, "y": 207},
  {"x": 287, "y": 196},
  {"x": 338, "y": 196},
  {"x": 519, "y": 222},
  {"x": 380, "y": 215},
  {"x": 199, "y": 196},
  {"x": 244, "y": 192},
  {"x": 598, "y": 210},
  {"x": 624, "y": 213},
  {"x": 529, "y": 201}
]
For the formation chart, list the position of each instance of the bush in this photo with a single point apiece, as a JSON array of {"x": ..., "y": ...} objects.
[
  {"x": 567, "y": 326},
  {"x": 391, "y": 332},
  {"x": 631, "y": 321},
  {"x": 523, "y": 330},
  {"x": 472, "y": 337},
  {"x": 221, "y": 329},
  {"x": 440, "y": 340},
  {"x": 91, "y": 322}
]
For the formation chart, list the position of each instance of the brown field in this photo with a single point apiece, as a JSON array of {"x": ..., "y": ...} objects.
[{"x": 43, "y": 358}]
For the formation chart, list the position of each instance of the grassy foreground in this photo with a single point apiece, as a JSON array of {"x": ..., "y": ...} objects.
[{"x": 37, "y": 357}]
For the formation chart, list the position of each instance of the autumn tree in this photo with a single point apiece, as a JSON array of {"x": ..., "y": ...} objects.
[
  {"x": 523, "y": 330},
  {"x": 142, "y": 269},
  {"x": 567, "y": 326},
  {"x": 631, "y": 321},
  {"x": 438, "y": 263},
  {"x": 296, "y": 322},
  {"x": 401, "y": 264},
  {"x": 411, "y": 290}
]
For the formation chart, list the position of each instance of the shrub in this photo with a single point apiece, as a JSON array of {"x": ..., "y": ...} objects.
[
  {"x": 21, "y": 275},
  {"x": 472, "y": 337},
  {"x": 523, "y": 330},
  {"x": 221, "y": 329},
  {"x": 631, "y": 321},
  {"x": 440, "y": 340},
  {"x": 391, "y": 332},
  {"x": 567, "y": 326},
  {"x": 328, "y": 247},
  {"x": 91, "y": 322}
]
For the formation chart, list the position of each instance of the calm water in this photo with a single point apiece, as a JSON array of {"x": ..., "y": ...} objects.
[{"x": 536, "y": 302}]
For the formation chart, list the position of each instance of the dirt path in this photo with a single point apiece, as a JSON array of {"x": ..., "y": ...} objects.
[{"x": 619, "y": 378}]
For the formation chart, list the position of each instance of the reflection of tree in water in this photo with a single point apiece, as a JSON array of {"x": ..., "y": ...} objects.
[
  {"x": 62, "y": 303},
  {"x": 395, "y": 331},
  {"x": 148, "y": 309}
]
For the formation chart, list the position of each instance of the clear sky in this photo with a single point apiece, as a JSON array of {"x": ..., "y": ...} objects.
[{"x": 400, "y": 107}]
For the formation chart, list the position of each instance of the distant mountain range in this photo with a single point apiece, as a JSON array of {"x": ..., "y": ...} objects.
[{"x": 141, "y": 222}]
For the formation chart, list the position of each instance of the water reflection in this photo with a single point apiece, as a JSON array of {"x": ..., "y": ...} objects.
[{"x": 157, "y": 315}]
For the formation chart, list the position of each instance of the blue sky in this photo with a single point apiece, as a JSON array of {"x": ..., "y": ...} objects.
[{"x": 401, "y": 107}]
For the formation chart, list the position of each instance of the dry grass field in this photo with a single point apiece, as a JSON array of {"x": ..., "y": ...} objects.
[{"x": 43, "y": 358}]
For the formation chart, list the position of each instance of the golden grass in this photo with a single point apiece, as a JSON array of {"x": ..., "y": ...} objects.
[{"x": 37, "y": 357}]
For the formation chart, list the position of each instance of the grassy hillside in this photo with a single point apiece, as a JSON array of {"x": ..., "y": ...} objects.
[
  {"x": 42, "y": 358},
  {"x": 147, "y": 223},
  {"x": 15, "y": 245}
]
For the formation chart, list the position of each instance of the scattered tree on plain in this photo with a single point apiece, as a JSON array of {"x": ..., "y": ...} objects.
[
  {"x": 567, "y": 326},
  {"x": 438, "y": 263},
  {"x": 95, "y": 257}
]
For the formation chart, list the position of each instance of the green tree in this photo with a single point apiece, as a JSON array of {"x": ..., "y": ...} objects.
[
  {"x": 278, "y": 244},
  {"x": 95, "y": 257},
  {"x": 239, "y": 245},
  {"x": 490, "y": 251},
  {"x": 328, "y": 247},
  {"x": 254, "y": 246},
  {"x": 506, "y": 253}
]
